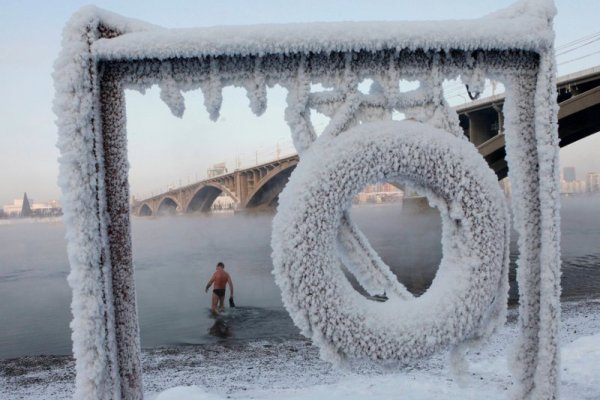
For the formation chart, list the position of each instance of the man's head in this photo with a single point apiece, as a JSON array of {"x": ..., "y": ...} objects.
[{"x": 220, "y": 265}]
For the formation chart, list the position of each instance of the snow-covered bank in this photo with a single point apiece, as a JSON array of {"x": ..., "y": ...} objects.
[{"x": 292, "y": 370}]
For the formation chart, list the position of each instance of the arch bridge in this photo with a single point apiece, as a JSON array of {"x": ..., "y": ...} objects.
[
  {"x": 482, "y": 120},
  {"x": 257, "y": 188}
]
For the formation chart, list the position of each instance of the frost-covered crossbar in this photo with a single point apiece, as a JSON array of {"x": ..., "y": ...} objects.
[{"x": 103, "y": 54}]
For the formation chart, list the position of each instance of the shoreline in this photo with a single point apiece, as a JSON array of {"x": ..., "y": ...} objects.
[
  {"x": 32, "y": 220},
  {"x": 258, "y": 368}
]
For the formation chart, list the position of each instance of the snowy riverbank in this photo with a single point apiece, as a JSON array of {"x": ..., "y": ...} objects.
[{"x": 291, "y": 369}]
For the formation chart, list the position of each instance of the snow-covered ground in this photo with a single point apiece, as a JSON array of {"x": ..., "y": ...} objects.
[{"x": 291, "y": 369}]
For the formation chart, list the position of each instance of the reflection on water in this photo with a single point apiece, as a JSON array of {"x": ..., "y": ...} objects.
[
  {"x": 220, "y": 328},
  {"x": 251, "y": 323},
  {"x": 175, "y": 257}
]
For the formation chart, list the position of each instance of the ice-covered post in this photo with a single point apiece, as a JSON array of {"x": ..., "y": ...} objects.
[
  {"x": 90, "y": 106},
  {"x": 532, "y": 155}
]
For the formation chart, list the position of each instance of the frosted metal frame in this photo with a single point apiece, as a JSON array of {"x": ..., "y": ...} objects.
[{"x": 97, "y": 158}]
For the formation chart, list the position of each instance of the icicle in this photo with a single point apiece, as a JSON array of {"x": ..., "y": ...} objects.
[
  {"x": 474, "y": 77},
  {"x": 256, "y": 89},
  {"x": 297, "y": 114},
  {"x": 391, "y": 82},
  {"x": 212, "y": 89},
  {"x": 170, "y": 94}
]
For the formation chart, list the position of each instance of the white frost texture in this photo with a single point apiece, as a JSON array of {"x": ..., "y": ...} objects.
[
  {"x": 470, "y": 288},
  {"x": 103, "y": 54}
]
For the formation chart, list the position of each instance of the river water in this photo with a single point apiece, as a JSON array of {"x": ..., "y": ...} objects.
[{"x": 175, "y": 256}]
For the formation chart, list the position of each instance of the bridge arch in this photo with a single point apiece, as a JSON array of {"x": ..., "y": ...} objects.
[
  {"x": 145, "y": 210},
  {"x": 204, "y": 197},
  {"x": 266, "y": 194},
  {"x": 168, "y": 206}
]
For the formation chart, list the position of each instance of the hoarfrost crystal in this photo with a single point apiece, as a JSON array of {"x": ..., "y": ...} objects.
[
  {"x": 469, "y": 291},
  {"x": 103, "y": 54}
]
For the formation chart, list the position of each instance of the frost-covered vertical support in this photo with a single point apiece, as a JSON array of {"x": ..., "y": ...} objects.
[
  {"x": 546, "y": 117},
  {"x": 532, "y": 149},
  {"x": 114, "y": 139},
  {"x": 81, "y": 180},
  {"x": 523, "y": 173},
  {"x": 88, "y": 163}
]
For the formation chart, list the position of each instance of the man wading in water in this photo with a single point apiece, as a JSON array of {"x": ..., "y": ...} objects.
[{"x": 220, "y": 278}]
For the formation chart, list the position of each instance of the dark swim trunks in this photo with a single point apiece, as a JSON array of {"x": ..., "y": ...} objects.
[{"x": 219, "y": 292}]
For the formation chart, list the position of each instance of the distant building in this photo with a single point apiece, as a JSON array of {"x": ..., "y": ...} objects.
[
  {"x": 379, "y": 193},
  {"x": 52, "y": 208},
  {"x": 14, "y": 209},
  {"x": 593, "y": 182},
  {"x": 216, "y": 170},
  {"x": 26, "y": 207},
  {"x": 572, "y": 187},
  {"x": 569, "y": 184},
  {"x": 569, "y": 174}
]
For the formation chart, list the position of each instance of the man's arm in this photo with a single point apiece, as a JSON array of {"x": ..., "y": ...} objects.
[
  {"x": 212, "y": 279},
  {"x": 230, "y": 283}
]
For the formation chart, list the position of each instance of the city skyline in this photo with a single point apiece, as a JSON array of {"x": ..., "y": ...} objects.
[{"x": 164, "y": 150}]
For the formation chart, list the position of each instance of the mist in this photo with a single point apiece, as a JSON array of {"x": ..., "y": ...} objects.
[{"x": 174, "y": 257}]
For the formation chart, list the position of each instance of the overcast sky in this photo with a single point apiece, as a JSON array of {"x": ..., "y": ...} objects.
[{"x": 164, "y": 150}]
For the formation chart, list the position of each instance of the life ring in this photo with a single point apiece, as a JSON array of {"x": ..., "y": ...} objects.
[{"x": 470, "y": 287}]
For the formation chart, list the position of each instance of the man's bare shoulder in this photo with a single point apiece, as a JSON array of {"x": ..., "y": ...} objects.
[{"x": 221, "y": 273}]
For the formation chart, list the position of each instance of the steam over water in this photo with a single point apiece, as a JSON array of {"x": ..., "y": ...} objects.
[{"x": 174, "y": 258}]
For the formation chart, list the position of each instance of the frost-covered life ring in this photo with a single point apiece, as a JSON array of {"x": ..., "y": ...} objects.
[{"x": 470, "y": 287}]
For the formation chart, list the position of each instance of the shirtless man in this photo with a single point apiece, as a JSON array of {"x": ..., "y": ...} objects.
[{"x": 220, "y": 278}]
